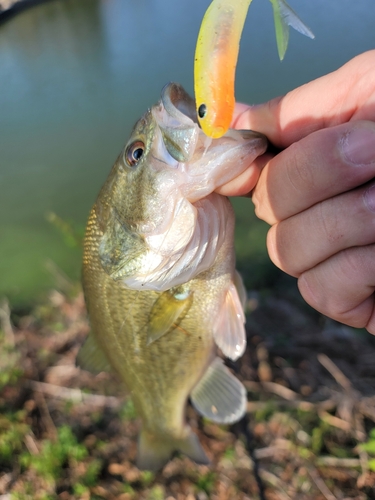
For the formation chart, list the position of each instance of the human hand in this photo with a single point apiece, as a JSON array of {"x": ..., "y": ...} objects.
[{"x": 318, "y": 193}]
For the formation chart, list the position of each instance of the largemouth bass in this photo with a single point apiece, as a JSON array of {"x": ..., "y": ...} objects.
[{"x": 159, "y": 275}]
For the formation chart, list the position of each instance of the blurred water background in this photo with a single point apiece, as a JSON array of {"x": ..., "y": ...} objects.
[{"x": 76, "y": 74}]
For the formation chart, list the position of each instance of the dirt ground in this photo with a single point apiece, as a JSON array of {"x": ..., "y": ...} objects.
[{"x": 308, "y": 434}]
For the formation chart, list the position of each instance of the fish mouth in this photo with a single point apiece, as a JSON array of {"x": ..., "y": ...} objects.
[
  {"x": 206, "y": 163},
  {"x": 176, "y": 118},
  {"x": 176, "y": 100}
]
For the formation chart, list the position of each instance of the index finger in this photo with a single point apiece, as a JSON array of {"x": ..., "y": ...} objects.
[{"x": 344, "y": 95}]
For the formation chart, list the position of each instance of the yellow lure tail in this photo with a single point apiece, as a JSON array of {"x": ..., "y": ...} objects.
[{"x": 215, "y": 63}]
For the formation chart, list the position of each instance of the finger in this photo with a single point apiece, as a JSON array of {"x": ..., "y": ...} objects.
[
  {"x": 323, "y": 164},
  {"x": 303, "y": 241},
  {"x": 343, "y": 286},
  {"x": 245, "y": 182},
  {"x": 344, "y": 95}
]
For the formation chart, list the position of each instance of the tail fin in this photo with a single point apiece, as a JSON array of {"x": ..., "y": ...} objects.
[{"x": 155, "y": 451}]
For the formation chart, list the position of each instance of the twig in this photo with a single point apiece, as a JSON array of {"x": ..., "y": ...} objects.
[
  {"x": 321, "y": 485},
  {"x": 328, "y": 404},
  {"x": 280, "y": 390},
  {"x": 335, "y": 421},
  {"x": 75, "y": 395},
  {"x": 363, "y": 459},
  {"x": 336, "y": 373},
  {"x": 5, "y": 479},
  {"x": 367, "y": 408},
  {"x": 273, "y": 480},
  {"x": 58, "y": 342},
  {"x": 359, "y": 427},
  {"x": 46, "y": 416},
  {"x": 31, "y": 444},
  {"x": 345, "y": 463},
  {"x": 273, "y": 387},
  {"x": 62, "y": 280},
  {"x": 270, "y": 451}
]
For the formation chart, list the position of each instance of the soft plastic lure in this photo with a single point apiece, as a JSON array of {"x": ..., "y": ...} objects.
[
  {"x": 216, "y": 57},
  {"x": 284, "y": 16}
]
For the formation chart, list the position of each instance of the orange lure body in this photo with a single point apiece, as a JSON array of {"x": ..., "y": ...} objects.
[{"x": 215, "y": 64}]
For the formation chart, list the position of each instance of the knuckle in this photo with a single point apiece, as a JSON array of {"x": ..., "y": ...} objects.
[
  {"x": 278, "y": 246},
  {"x": 329, "y": 222},
  {"x": 337, "y": 289},
  {"x": 298, "y": 170}
]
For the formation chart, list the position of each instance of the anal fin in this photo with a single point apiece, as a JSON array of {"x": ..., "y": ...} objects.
[
  {"x": 219, "y": 395},
  {"x": 91, "y": 357}
]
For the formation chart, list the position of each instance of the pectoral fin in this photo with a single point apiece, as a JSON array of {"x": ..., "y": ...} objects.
[
  {"x": 168, "y": 311},
  {"x": 91, "y": 358},
  {"x": 219, "y": 395},
  {"x": 229, "y": 330}
]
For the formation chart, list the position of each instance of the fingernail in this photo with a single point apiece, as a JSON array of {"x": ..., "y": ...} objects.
[
  {"x": 369, "y": 198},
  {"x": 358, "y": 146}
]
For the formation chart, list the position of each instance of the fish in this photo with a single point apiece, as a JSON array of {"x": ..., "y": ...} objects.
[
  {"x": 216, "y": 56},
  {"x": 159, "y": 277}
]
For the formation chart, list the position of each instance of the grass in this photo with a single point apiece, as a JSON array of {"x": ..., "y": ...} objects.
[
  {"x": 310, "y": 436},
  {"x": 56, "y": 454}
]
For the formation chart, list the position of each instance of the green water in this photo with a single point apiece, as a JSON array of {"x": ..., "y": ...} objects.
[{"x": 76, "y": 74}]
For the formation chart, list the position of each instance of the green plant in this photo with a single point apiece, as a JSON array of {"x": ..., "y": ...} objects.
[
  {"x": 71, "y": 234},
  {"x": 126, "y": 488},
  {"x": 369, "y": 447},
  {"x": 127, "y": 412},
  {"x": 13, "y": 430},
  {"x": 90, "y": 477},
  {"x": 147, "y": 477},
  {"x": 156, "y": 493},
  {"x": 10, "y": 371},
  {"x": 54, "y": 455},
  {"x": 206, "y": 482}
]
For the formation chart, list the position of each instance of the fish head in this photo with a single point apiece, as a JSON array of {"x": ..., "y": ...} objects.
[
  {"x": 166, "y": 166},
  {"x": 162, "y": 138}
]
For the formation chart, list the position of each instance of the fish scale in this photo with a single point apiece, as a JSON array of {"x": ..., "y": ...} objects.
[{"x": 121, "y": 304}]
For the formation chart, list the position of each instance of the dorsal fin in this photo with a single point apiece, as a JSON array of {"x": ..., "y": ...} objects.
[
  {"x": 229, "y": 330},
  {"x": 219, "y": 395}
]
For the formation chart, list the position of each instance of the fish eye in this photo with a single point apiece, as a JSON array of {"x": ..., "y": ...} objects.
[
  {"x": 134, "y": 153},
  {"x": 202, "y": 110}
]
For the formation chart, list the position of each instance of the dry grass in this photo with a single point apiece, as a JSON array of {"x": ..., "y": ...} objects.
[{"x": 66, "y": 434}]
